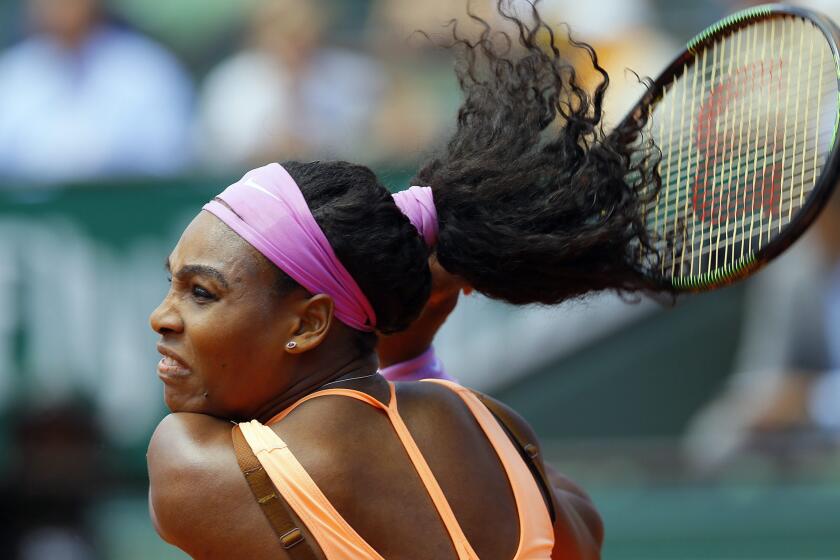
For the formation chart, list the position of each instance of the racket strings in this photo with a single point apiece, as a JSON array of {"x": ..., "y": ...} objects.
[{"x": 744, "y": 133}]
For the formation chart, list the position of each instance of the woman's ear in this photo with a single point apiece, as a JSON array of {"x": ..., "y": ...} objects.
[{"x": 315, "y": 315}]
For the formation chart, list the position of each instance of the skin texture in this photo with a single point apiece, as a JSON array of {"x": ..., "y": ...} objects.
[{"x": 231, "y": 337}]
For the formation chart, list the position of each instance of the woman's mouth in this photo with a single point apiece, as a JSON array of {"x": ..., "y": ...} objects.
[{"x": 170, "y": 367}]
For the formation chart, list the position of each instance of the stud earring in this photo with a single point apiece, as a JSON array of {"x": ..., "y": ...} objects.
[{"x": 291, "y": 345}]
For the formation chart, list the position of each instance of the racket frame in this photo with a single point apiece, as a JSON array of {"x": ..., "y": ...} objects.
[{"x": 827, "y": 180}]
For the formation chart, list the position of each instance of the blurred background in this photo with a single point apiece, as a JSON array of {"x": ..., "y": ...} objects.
[{"x": 705, "y": 430}]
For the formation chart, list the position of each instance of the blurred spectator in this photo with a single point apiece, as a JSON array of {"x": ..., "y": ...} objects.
[
  {"x": 399, "y": 19},
  {"x": 626, "y": 38},
  {"x": 52, "y": 485},
  {"x": 198, "y": 30},
  {"x": 286, "y": 95},
  {"x": 422, "y": 96},
  {"x": 418, "y": 109},
  {"x": 82, "y": 98},
  {"x": 423, "y": 102},
  {"x": 787, "y": 380}
]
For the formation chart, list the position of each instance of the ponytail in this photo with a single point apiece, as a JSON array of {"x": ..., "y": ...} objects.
[{"x": 535, "y": 202}]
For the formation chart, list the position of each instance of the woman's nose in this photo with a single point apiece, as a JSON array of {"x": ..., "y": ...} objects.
[{"x": 166, "y": 319}]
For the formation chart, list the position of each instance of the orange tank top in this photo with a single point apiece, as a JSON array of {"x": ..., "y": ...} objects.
[{"x": 338, "y": 539}]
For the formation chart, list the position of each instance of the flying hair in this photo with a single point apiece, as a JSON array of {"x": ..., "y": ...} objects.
[{"x": 536, "y": 203}]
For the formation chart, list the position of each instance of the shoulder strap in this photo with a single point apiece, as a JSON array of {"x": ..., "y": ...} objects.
[
  {"x": 527, "y": 448},
  {"x": 352, "y": 393},
  {"x": 273, "y": 507}
]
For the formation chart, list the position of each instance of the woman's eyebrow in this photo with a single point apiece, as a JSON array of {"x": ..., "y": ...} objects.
[{"x": 198, "y": 270}]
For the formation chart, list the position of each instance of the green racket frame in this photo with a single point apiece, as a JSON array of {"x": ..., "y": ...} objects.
[{"x": 824, "y": 185}]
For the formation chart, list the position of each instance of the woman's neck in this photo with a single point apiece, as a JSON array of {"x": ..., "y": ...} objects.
[{"x": 359, "y": 367}]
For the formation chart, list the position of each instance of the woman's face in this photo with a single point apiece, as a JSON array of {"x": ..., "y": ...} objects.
[{"x": 222, "y": 326}]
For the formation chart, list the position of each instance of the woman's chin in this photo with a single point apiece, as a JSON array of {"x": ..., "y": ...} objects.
[{"x": 178, "y": 401}]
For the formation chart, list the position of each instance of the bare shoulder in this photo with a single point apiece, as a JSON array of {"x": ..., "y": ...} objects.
[
  {"x": 187, "y": 447},
  {"x": 513, "y": 417},
  {"x": 198, "y": 498},
  {"x": 578, "y": 528},
  {"x": 186, "y": 438}
]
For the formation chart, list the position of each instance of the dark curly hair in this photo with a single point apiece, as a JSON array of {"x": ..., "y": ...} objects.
[
  {"x": 536, "y": 204},
  {"x": 370, "y": 236}
]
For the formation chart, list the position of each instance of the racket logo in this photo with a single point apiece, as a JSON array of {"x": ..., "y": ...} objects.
[{"x": 734, "y": 179}]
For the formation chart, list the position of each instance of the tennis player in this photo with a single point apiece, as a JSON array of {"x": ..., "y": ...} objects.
[{"x": 280, "y": 286}]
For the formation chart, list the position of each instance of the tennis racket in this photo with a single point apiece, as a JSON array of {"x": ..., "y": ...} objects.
[{"x": 746, "y": 120}]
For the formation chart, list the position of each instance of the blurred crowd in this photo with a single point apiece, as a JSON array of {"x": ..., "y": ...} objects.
[
  {"x": 226, "y": 85},
  {"x": 86, "y": 95}
]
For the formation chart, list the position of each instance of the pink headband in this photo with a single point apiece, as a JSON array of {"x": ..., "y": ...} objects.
[
  {"x": 270, "y": 213},
  {"x": 418, "y": 204}
]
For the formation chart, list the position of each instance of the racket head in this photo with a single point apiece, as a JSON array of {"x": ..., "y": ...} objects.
[{"x": 746, "y": 119}]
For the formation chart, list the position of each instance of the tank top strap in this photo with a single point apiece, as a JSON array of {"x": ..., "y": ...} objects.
[
  {"x": 536, "y": 533},
  {"x": 456, "y": 534},
  {"x": 334, "y": 535},
  {"x": 353, "y": 394}
]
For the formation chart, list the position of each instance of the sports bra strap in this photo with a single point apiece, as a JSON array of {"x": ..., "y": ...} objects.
[
  {"x": 353, "y": 394},
  {"x": 273, "y": 506},
  {"x": 459, "y": 539},
  {"x": 456, "y": 534},
  {"x": 526, "y": 445}
]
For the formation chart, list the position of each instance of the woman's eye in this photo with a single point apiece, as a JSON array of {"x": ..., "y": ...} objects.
[
  {"x": 201, "y": 293},
  {"x": 169, "y": 278}
]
